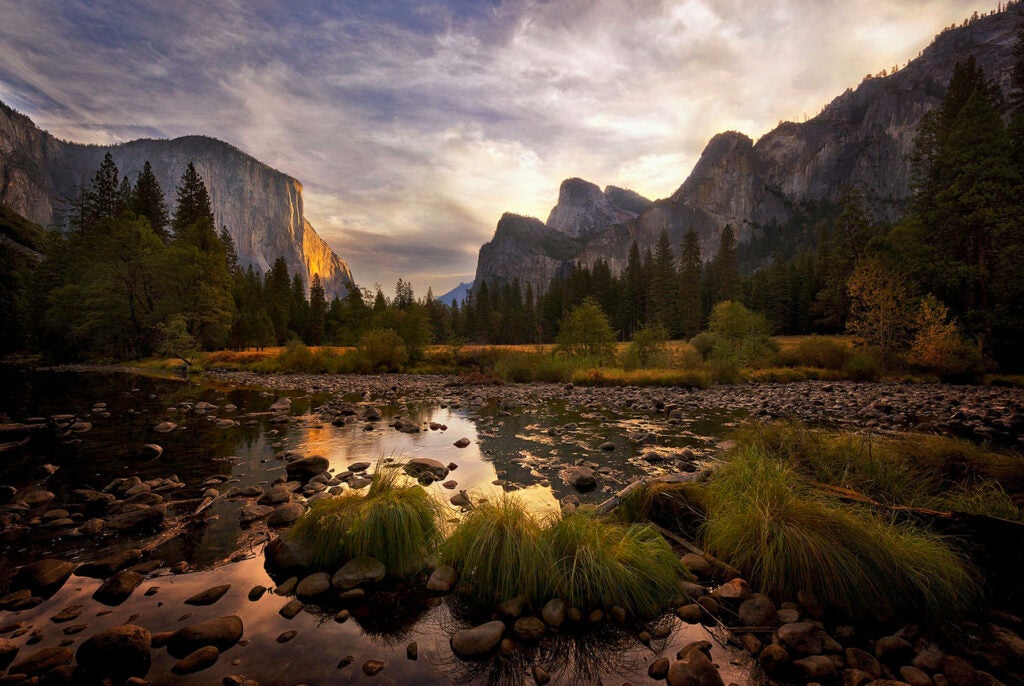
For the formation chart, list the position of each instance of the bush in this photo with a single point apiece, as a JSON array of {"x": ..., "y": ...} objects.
[
  {"x": 764, "y": 518},
  {"x": 815, "y": 351},
  {"x": 863, "y": 365},
  {"x": 684, "y": 378},
  {"x": 743, "y": 337},
  {"x": 597, "y": 563},
  {"x": 649, "y": 347},
  {"x": 497, "y": 547},
  {"x": 585, "y": 332},
  {"x": 704, "y": 342},
  {"x": 938, "y": 347},
  {"x": 397, "y": 525},
  {"x": 382, "y": 350}
]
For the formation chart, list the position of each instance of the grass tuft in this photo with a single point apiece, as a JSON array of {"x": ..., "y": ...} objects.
[{"x": 396, "y": 524}]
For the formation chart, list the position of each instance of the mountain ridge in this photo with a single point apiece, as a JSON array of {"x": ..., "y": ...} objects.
[{"x": 261, "y": 207}]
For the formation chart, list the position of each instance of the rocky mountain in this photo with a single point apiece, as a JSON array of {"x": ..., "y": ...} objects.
[
  {"x": 456, "y": 295},
  {"x": 861, "y": 139},
  {"x": 260, "y": 206}
]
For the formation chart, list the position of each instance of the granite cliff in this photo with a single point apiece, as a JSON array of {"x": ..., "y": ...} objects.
[
  {"x": 861, "y": 139},
  {"x": 260, "y": 206}
]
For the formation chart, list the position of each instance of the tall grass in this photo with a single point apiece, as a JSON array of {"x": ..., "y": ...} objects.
[
  {"x": 498, "y": 548},
  {"x": 398, "y": 525},
  {"x": 597, "y": 563},
  {"x": 765, "y": 518}
]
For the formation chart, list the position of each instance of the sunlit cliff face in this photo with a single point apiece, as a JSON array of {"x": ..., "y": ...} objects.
[{"x": 414, "y": 130}]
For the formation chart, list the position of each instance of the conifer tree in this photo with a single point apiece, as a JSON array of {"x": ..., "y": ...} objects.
[
  {"x": 193, "y": 200},
  {"x": 317, "y": 311},
  {"x": 724, "y": 273},
  {"x": 690, "y": 303},
  {"x": 662, "y": 289},
  {"x": 103, "y": 198},
  {"x": 148, "y": 201}
]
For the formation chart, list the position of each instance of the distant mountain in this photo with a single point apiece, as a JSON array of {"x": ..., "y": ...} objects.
[
  {"x": 456, "y": 295},
  {"x": 861, "y": 139},
  {"x": 260, "y": 206}
]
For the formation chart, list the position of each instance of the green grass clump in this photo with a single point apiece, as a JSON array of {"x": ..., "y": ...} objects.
[
  {"x": 765, "y": 518},
  {"x": 398, "y": 525},
  {"x": 614, "y": 376},
  {"x": 497, "y": 546},
  {"x": 986, "y": 498},
  {"x": 598, "y": 563},
  {"x": 675, "y": 505}
]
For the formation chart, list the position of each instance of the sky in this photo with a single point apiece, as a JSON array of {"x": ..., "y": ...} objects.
[{"x": 414, "y": 125}]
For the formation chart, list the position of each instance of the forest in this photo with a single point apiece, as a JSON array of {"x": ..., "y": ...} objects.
[{"x": 131, "y": 279}]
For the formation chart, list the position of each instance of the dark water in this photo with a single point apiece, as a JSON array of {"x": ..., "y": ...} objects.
[{"x": 515, "y": 450}]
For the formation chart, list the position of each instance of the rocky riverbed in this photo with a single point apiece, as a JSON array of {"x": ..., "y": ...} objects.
[{"x": 136, "y": 514}]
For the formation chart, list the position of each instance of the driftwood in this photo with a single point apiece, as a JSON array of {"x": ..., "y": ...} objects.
[{"x": 614, "y": 501}]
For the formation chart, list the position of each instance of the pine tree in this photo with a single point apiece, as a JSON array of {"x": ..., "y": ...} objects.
[
  {"x": 633, "y": 292},
  {"x": 193, "y": 200},
  {"x": 124, "y": 196},
  {"x": 148, "y": 201},
  {"x": 724, "y": 271},
  {"x": 103, "y": 199},
  {"x": 230, "y": 253},
  {"x": 662, "y": 290},
  {"x": 690, "y": 303},
  {"x": 317, "y": 311}
]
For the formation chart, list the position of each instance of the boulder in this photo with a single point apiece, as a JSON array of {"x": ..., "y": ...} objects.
[
  {"x": 553, "y": 612},
  {"x": 117, "y": 653},
  {"x": 801, "y": 638},
  {"x": 147, "y": 519},
  {"x": 286, "y": 514},
  {"x": 758, "y": 610},
  {"x": 529, "y": 629},
  {"x": 695, "y": 669},
  {"x": 197, "y": 660},
  {"x": 914, "y": 676},
  {"x": 8, "y": 651},
  {"x": 43, "y": 577},
  {"x": 893, "y": 650},
  {"x": 863, "y": 661},
  {"x": 209, "y": 596},
  {"x": 282, "y": 557},
  {"x": 314, "y": 585},
  {"x": 103, "y": 568},
  {"x": 442, "y": 579},
  {"x": 479, "y": 640},
  {"x": 118, "y": 588},
  {"x": 306, "y": 468},
  {"x": 251, "y": 513},
  {"x": 420, "y": 466},
  {"x": 221, "y": 633},
  {"x": 734, "y": 590},
  {"x": 462, "y": 443},
  {"x": 582, "y": 478},
  {"x": 773, "y": 659},
  {"x": 815, "y": 667},
  {"x": 698, "y": 565},
  {"x": 42, "y": 661},
  {"x": 359, "y": 571}
]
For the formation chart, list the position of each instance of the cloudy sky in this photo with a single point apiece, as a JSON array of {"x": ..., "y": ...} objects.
[{"x": 414, "y": 125}]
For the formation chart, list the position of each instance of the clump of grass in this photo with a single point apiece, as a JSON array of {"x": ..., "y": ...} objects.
[
  {"x": 498, "y": 548},
  {"x": 815, "y": 351},
  {"x": 765, "y": 518},
  {"x": 986, "y": 498},
  {"x": 396, "y": 524},
  {"x": 597, "y": 563},
  {"x": 613, "y": 376},
  {"x": 674, "y": 505}
]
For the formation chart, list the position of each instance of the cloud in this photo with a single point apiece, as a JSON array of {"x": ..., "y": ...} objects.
[{"x": 414, "y": 125}]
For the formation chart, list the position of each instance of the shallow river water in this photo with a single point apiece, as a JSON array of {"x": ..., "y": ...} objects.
[{"x": 527, "y": 450}]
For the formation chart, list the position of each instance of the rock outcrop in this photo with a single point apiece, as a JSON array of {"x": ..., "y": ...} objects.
[
  {"x": 862, "y": 139},
  {"x": 261, "y": 207}
]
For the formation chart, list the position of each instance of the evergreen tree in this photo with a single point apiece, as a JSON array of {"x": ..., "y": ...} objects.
[
  {"x": 277, "y": 297},
  {"x": 690, "y": 303},
  {"x": 124, "y": 196},
  {"x": 230, "y": 253},
  {"x": 724, "y": 273},
  {"x": 663, "y": 290},
  {"x": 148, "y": 201},
  {"x": 193, "y": 200},
  {"x": 103, "y": 199},
  {"x": 317, "y": 311},
  {"x": 633, "y": 292}
]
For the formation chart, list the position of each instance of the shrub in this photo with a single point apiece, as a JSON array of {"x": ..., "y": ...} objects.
[
  {"x": 863, "y": 365},
  {"x": 743, "y": 337},
  {"x": 938, "y": 347},
  {"x": 398, "y": 525},
  {"x": 815, "y": 351},
  {"x": 382, "y": 350},
  {"x": 704, "y": 342},
  {"x": 764, "y": 518},
  {"x": 686, "y": 378},
  {"x": 650, "y": 346},
  {"x": 597, "y": 563},
  {"x": 585, "y": 332},
  {"x": 497, "y": 547}
]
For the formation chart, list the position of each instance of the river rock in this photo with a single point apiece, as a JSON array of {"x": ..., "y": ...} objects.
[
  {"x": 291, "y": 609},
  {"x": 914, "y": 676},
  {"x": 773, "y": 659},
  {"x": 691, "y": 613},
  {"x": 283, "y": 557},
  {"x": 694, "y": 669},
  {"x": 959, "y": 672},
  {"x": 117, "y": 653},
  {"x": 103, "y": 568},
  {"x": 581, "y": 478},
  {"x": 373, "y": 667},
  {"x": 758, "y": 610},
  {"x": 461, "y": 499},
  {"x": 359, "y": 571},
  {"x": 815, "y": 667},
  {"x": 892, "y": 650},
  {"x": 222, "y": 633},
  {"x": 733, "y": 590},
  {"x": 209, "y": 596},
  {"x": 442, "y": 579},
  {"x": 479, "y": 640},
  {"x": 43, "y": 577},
  {"x": 118, "y": 588},
  {"x": 863, "y": 661},
  {"x": 306, "y": 468},
  {"x": 67, "y": 614},
  {"x": 251, "y": 513},
  {"x": 281, "y": 405},
  {"x": 286, "y": 514},
  {"x": 462, "y": 443},
  {"x": 658, "y": 669},
  {"x": 314, "y": 585},
  {"x": 420, "y": 466},
  {"x": 147, "y": 519},
  {"x": 801, "y": 638},
  {"x": 529, "y": 629},
  {"x": 42, "y": 661},
  {"x": 164, "y": 427},
  {"x": 197, "y": 660},
  {"x": 553, "y": 613},
  {"x": 698, "y": 565}
]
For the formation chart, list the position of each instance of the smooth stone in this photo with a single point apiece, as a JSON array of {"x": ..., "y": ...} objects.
[
  {"x": 373, "y": 667},
  {"x": 479, "y": 640},
  {"x": 286, "y": 514},
  {"x": 513, "y": 607},
  {"x": 442, "y": 579},
  {"x": 658, "y": 669},
  {"x": 358, "y": 571},
  {"x": 222, "y": 633},
  {"x": 734, "y": 590},
  {"x": 287, "y": 587},
  {"x": 691, "y": 614},
  {"x": 150, "y": 518},
  {"x": 582, "y": 478},
  {"x": 197, "y": 660},
  {"x": 801, "y": 638},
  {"x": 758, "y": 610},
  {"x": 460, "y": 499},
  {"x": 287, "y": 636},
  {"x": 529, "y": 629},
  {"x": 815, "y": 667},
  {"x": 42, "y": 661},
  {"x": 252, "y": 513},
  {"x": 256, "y": 592},
  {"x": 893, "y": 650},
  {"x": 118, "y": 588},
  {"x": 694, "y": 669},
  {"x": 313, "y": 585},
  {"x": 209, "y": 596},
  {"x": 553, "y": 612},
  {"x": 698, "y": 565},
  {"x": 117, "y": 653},
  {"x": 164, "y": 427},
  {"x": 8, "y": 651},
  {"x": 462, "y": 443},
  {"x": 43, "y": 577},
  {"x": 863, "y": 661},
  {"x": 291, "y": 609},
  {"x": 306, "y": 468},
  {"x": 105, "y": 567}
]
